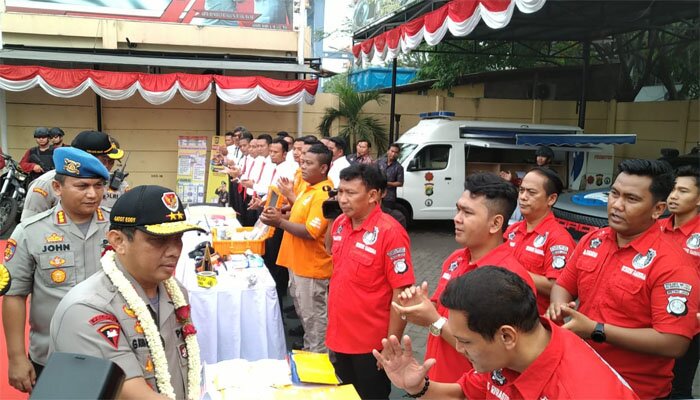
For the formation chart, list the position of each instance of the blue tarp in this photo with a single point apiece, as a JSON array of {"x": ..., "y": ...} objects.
[
  {"x": 573, "y": 140},
  {"x": 374, "y": 78}
]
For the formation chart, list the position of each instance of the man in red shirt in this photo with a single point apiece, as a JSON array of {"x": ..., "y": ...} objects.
[
  {"x": 371, "y": 266},
  {"x": 515, "y": 354},
  {"x": 539, "y": 242},
  {"x": 637, "y": 288},
  {"x": 483, "y": 211},
  {"x": 683, "y": 227}
]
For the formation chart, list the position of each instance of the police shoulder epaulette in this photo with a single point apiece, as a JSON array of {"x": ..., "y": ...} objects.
[{"x": 37, "y": 217}]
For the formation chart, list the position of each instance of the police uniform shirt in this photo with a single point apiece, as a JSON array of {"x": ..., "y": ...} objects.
[
  {"x": 41, "y": 197},
  {"x": 47, "y": 255},
  {"x": 94, "y": 319}
]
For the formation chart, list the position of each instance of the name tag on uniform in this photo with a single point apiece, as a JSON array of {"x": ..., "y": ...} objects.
[
  {"x": 337, "y": 238},
  {"x": 446, "y": 276},
  {"x": 368, "y": 249}
]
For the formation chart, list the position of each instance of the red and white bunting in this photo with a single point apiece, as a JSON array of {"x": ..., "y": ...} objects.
[
  {"x": 460, "y": 17},
  {"x": 156, "y": 89}
]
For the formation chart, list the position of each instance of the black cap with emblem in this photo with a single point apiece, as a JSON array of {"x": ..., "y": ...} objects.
[{"x": 152, "y": 209}]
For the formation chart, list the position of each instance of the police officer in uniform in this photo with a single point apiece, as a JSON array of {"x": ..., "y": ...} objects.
[
  {"x": 96, "y": 318},
  {"x": 50, "y": 253},
  {"x": 40, "y": 196}
]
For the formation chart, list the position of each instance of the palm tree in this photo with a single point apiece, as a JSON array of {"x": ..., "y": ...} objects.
[{"x": 357, "y": 126}]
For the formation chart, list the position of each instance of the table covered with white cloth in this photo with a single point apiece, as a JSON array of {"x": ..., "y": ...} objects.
[{"x": 237, "y": 318}]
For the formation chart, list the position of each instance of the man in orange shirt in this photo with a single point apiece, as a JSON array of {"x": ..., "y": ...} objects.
[{"x": 303, "y": 248}]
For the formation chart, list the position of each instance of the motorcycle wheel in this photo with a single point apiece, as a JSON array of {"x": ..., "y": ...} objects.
[{"x": 8, "y": 214}]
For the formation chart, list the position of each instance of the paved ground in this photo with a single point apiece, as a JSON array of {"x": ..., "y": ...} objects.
[{"x": 431, "y": 243}]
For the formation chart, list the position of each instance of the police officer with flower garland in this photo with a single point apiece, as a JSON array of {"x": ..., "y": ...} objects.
[
  {"x": 133, "y": 311},
  {"x": 50, "y": 253}
]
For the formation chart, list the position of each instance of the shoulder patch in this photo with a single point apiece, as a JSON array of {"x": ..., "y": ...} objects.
[
  {"x": 41, "y": 191},
  {"x": 102, "y": 318},
  {"x": 110, "y": 332},
  {"x": 10, "y": 249}
]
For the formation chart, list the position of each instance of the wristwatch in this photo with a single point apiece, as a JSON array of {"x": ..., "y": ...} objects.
[
  {"x": 436, "y": 327},
  {"x": 598, "y": 334}
]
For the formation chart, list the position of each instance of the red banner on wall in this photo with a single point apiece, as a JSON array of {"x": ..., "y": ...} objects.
[{"x": 264, "y": 14}]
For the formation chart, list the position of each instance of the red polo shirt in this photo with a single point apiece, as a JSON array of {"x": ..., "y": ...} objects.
[
  {"x": 566, "y": 369},
  {"x": 368, "y": 264},
  {"x": 649, "y": 283},
  {"x": 544, "y": 251},
  {"x": 450, "y": 364},
  {"x": 687, "y": 235}
]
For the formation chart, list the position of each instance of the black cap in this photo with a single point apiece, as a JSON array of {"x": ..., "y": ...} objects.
[
  {"x": 97, "y": 144},
  {"x": 56, "y": 131},
  {"x": 152, "y": 209},
  {"x": 41, "y": 132}
]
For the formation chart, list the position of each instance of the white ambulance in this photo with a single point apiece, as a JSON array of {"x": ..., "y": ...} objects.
[{"x": 439, "y": 152}]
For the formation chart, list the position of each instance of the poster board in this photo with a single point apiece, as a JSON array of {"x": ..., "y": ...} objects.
[
  {"x": 216, "y": 178},
  {"x": 191, "y": 168}
]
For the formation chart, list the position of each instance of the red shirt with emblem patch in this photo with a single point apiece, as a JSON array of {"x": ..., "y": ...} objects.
[
  {"x": 566, "y": 369},
  {"x": 649, "y": 283},
  {"x": 687, "y": 235},
  {"x": 544, "y": 251},
  {"x": 368, "y": 264},
  {"x": 450, "y": 364}
]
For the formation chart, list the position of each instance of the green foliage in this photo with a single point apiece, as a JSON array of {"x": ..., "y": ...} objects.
[
  {"x": 353, "y": 124},
  {"x": 667, "y": 56},
  {"x": 469, "y": 57}
]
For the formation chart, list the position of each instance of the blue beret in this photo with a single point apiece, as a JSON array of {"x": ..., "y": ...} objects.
[{"x": 77, "y": 163}]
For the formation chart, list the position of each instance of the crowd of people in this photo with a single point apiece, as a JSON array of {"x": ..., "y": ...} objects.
[{"x": 519, "y": 311}]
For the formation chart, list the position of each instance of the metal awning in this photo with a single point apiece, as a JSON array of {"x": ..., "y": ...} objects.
[
  {"x": 144, "y": 60},
  {"x": 574, "y": 140},
  {"x": 510, "y": 144}
]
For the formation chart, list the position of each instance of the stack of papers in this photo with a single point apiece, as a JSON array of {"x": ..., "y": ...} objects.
[{"x": 272, "y": 379}]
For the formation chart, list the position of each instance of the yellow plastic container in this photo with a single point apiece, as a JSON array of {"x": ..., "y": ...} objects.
[{"x": 226, "y": 247}]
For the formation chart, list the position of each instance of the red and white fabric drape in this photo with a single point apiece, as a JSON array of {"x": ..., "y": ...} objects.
[
  {"x": 459, "y": 17},
  {"x": 156, "y": 89}
]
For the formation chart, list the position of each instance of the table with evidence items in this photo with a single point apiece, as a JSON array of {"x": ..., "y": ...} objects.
[{"x": 239, "y": 317}]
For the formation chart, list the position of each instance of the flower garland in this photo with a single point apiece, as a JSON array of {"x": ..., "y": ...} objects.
[{"x": 155, "y": 345}]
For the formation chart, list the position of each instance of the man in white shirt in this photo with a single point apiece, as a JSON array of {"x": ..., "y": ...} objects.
[
  {"x": 262, "y": 162},
  {"x": 231, "y": 140},
  {"x": 278, "y": 168},
  {"x": 237, "y": 171},
  {"x": 339, "y": 162}
]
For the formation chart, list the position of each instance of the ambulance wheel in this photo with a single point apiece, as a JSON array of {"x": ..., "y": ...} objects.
[{"x": 406, "y": 213}]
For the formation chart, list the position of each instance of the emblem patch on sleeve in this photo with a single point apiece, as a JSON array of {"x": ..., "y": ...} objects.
[
  {"x": 110, "y": 332},
  {"x": 676, "y": 306},
  {"x": 400, "y": 266},
  {"x": 10, "y": 249}
]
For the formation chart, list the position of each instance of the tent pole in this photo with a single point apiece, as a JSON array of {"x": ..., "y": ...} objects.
[
  {"x": 218, "y": 116},
  {"x": 3, "y": 122},
  {"x": 301, "y": 43},
  {"x": 393, "y": 101},
  {"x": 584, "y": 83}
]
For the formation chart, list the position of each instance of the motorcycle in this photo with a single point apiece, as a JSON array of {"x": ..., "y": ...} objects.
[{"x": 13, "y": 190}]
